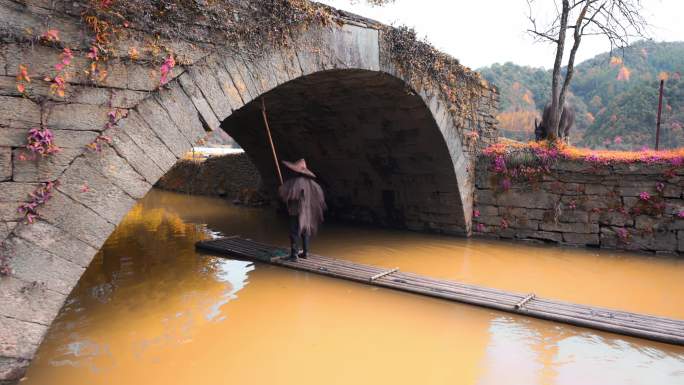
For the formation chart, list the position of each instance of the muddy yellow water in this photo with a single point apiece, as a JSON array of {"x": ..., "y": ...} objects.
[{"x": 151, "y": 310}]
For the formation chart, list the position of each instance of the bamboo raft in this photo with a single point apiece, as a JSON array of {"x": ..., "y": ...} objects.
[{"x": 631, "y": 324}]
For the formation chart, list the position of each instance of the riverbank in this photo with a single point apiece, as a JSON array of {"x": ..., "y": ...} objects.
[
  {"x": 232, "y": 176},
  {"x": 579, "y": 197}
]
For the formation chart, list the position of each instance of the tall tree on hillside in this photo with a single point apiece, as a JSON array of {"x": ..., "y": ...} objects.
[{"x": 616, "y": 20}]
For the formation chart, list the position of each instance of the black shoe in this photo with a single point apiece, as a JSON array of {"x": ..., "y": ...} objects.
[{"x": 303, "y": 255}]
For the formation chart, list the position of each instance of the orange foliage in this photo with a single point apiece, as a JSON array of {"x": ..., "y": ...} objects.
[
  {"x": 518, "y": 121},
  {"x": 615, "y": 61},
  {"x": 674, "y": 157},
  {"x": 624, "y": 74},
  {"x": 590, "y": 118}
]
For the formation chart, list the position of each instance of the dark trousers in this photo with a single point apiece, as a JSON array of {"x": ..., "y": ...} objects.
[{"x": 295, "y": 236}]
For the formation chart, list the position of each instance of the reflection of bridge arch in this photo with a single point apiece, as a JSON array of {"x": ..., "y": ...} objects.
[{"x": 389, "y": 150}]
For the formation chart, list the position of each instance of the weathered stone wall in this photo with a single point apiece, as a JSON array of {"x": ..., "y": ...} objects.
[
  {"x": 225, "y": 175},
  {"x": 581, "y": 204}
]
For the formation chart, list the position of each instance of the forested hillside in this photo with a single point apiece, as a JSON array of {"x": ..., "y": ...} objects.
[{"x": 615, "y": 96}]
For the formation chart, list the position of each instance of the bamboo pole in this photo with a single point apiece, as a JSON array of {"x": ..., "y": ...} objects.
[{"x": 270, "y": 140}]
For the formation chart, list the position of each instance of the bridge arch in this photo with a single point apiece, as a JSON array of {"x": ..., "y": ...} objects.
[
  {"x": 407, "y": 168},
  {"x": 379, "y": 153}
]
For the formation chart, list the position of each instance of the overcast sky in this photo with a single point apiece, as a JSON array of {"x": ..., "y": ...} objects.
[{"x": 483, "y": 32}]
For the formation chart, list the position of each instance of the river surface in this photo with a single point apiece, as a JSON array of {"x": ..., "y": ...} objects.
[{"x": 152, "y": 310}]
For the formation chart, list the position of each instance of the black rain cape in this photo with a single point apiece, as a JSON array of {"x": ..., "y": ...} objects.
[{"x": 309, "y": 197}]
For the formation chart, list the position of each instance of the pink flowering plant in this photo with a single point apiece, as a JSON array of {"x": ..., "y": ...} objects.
[
  {"x": 98, "y": 144},
  {"x": 622, "y": 234},
  {"x": 41, "y": 142},
  {"x": 166, "y": 68},
  {"x": 511, "y": 164},
  {"x": 37, "y": 198}
]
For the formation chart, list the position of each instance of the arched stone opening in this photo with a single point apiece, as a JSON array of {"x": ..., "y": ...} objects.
[{"x": 373, "y": 142}]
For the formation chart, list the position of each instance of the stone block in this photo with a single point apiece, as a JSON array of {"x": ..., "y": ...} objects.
[
  {"x": 580, "y": 228},
  {"x": 9, "y": 213},
  {"x": 44, "y": 168},
  {"x": 85, "y": 185},
  {"x": 148, "y": 141},
  {"x": 523, "y": 223},
  {"x": 527, "y": 199},
  {"x": 644, "y": 222},
  {"x": 206, "y": 113},
  {"x": 101, "y": 96},
  {"x": 539, "y": 235},
  {"x": 118, "y": 75},
  {"x": 591, "y": 202},
  {"x": 632, "y": 189},
  {"x": 28, "y": 18},
  {"x": 581, "y": 239},
  {"x": 291, "y": 63},
  {"x": 680, "y": 241},
  {"x": 182, "y": 112},
  {"x": 72, "y": 116},
  {"x": 571, "y": 216},
  {"x": 13, "y": 137},
  {"x": 488, "y": 210},
  {"x": 261, "y": 74},
  {"x": 16, "y": 192},
  {"x": 159, "y": 121},
  {"x": 609, "y": 239},
  {"x": 536, "y": 214},
  {"x": 485, "y": 197},
  {"x": 675, "y": 223},
  {"x": 596, "y": 189},
  {"x": 489, "y": 220},
  {"x": 19, "y": 112},
  {"x": 672, "y": 191},
  {"x": 251, "y": 91},
  {"x": 76, "y": 219},
  {"x": 142, "y": 78},
  {"x": 41, "y": 60},
  {"x": 136, "y": 157},
  {"x": 20, "y": 339},
  {"x": 656, "y": 241},
  {"x": 118, "y": 171},
  {"x": 225, "y": 82},
  {"x": 614, "y": 218},
  {"x": 5, "y": 163},
  {"x": 31, "y": 263},
  {"x": 203, "y": 76},
  {"x": 27, "y": 301},
  {"x": 12, "y": 369},
  {"x": 238, "y": 82},
  {"x": 5, "y": 229},
  {"x": 56, "y": 241}
]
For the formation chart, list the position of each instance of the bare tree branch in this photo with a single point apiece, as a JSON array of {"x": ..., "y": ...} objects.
[{"x": 619, "y": 21}]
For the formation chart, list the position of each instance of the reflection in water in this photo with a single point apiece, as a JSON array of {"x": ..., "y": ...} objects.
[{"x": 151, "y": 310}]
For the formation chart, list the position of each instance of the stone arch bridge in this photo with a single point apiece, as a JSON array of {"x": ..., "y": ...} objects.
[{"x": 387, "y": 147}]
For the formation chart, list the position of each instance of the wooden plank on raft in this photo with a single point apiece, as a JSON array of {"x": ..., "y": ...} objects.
[
  {"x": 525, "y": 300},
  {"x": 632, "y": 324},
  {"x": 383, "y": 274}
]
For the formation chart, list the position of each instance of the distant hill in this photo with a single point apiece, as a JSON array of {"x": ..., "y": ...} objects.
[{"x": 615, "y": 96}]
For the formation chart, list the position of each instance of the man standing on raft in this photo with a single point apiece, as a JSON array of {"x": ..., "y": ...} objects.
[{"x": 305, "y": 205}]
